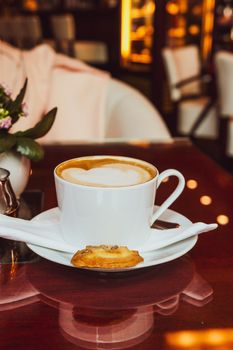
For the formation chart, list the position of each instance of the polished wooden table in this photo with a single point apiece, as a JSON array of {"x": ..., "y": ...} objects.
[{"x": 186, "y": 303}]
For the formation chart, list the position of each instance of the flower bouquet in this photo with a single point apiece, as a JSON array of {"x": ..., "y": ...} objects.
[{"x": 22, "y": 142}]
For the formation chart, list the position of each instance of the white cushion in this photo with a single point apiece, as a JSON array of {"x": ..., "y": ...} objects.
[
  {"x": 229, "y": 148},
  {"x": 63, "y": 27},
  {"x": 224, "y": 74},
  {"x": 130, "y": 115}
]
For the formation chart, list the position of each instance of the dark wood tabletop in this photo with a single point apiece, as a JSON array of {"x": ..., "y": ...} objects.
[{"x": 186, "y": 303}]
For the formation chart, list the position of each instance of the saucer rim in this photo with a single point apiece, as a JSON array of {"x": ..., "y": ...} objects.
[{"x": 190, "y": 243}]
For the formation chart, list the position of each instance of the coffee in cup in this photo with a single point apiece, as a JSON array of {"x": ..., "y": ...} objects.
[
  {"x": 106, "y": 172},
  {"x": 110, "y": 200}
]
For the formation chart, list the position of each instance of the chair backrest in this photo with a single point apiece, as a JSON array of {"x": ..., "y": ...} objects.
[
  {"x": 21, "y": 31},
  {"x": 127, "y": 115},
  {"x": 130, "y": 115},
  {"x": 16, "y": 30},
  {"x": 182, "y": 63},
  {"x": 32, "y": 30},
  {"x": 5, "y": 32},
  {"x": 224, "y": 80},
  {"x": 63, "y": 27}
]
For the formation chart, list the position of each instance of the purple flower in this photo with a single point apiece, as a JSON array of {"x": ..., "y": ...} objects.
[{"x": 5, "y": 123}]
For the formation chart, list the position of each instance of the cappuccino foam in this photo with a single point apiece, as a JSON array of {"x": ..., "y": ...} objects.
[
  {"x": 107, "y": 175},
  {"x": 105, "y": 172}
]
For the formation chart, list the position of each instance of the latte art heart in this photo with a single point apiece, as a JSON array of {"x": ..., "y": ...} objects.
[{"x": 108, "y": 175}]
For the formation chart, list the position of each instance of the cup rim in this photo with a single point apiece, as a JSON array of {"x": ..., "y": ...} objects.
[{"x": 107, "y": 188}]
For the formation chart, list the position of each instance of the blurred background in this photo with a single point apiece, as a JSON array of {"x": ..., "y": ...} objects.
[{"x": 167, "y": 49}]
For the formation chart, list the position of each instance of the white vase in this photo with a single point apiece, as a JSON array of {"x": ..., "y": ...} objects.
[{"x": 19, "y": 168}]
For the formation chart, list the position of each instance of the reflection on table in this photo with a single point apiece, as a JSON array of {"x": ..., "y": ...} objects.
[{"x": 114, "y": 310}]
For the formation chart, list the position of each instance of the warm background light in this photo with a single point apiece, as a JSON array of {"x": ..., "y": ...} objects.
[
  {"x": 194, "y": 30},
  {"x": 172, "y": 8},
  {"x": 137, "y": 32},
  {"x": 222, "y": 219},
  {"x": 176, "y": 32},
  {"x": 140, "y": 143},
  {"x": 149, "y": 8},
  {"x": 31, "y": 5},
  {"x": 191, "y": 184},
  {"x": 125, "y": 28},
  {"x": 206, "y": 200},
  {"x": 200, "y": 340},
  {"x": 207, "y": 28}
]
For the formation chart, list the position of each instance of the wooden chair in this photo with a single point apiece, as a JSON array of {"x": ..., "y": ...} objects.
[
  {"x": 224, "y": 80},
  {"x": 64, "y": 32},
  {"x": 24, "y": 32}
]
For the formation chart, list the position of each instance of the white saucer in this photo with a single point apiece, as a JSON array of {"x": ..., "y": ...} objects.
[
  {"x": 157, "y": 257},
  {"x": 152, "y": 258}
]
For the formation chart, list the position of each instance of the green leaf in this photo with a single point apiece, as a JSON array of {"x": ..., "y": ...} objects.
[
  {"x": 29, "y": 148},
  {"x": 7, "y": 141},
  {"x": 16, "y": 104},
  {"x": 41, "y": 128}
]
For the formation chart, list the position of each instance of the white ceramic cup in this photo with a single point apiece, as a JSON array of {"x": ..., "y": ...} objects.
[{"x": 91, "y": 215}]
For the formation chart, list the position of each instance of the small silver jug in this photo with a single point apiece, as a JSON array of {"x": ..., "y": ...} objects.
[
  {"x": 8, "y": 202},
  {"x": 11, "y": 252}
]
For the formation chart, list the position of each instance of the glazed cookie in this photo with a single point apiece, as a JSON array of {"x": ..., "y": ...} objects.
[{"x": 106, "y": 257}]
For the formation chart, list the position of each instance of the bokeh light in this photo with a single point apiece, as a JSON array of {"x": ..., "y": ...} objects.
[
  {"x": 191, "y": 184},
  {"x": 222, "y": 219},
  {"x": 206, "y": 200}
]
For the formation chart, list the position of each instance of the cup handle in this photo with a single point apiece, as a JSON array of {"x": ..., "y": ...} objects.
[{"x": 175, "y": 194}]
